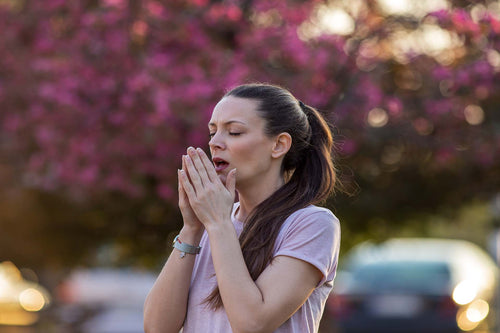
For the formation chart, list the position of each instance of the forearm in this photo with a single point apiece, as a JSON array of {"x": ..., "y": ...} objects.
[
  {"x": 166, "y": 304},
  {"x": 243, "y": 300}
]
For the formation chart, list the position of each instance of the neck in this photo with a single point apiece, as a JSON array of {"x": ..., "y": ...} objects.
[{"x": 251, "y": 196}]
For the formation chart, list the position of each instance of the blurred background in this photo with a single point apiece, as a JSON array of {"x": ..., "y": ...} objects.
[{"x": 99, "y": 99}]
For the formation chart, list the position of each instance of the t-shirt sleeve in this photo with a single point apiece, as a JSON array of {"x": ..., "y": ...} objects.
[{"x": 314, "y": 237}]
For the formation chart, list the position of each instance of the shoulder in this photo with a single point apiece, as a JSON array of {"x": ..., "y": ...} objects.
[
  {"x": 311, "y": 234},
  {"x": 311, "y": 220},
  {"x": 315, "y": 216}
]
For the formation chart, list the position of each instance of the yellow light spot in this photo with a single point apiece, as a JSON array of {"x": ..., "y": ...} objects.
[
  {"x": 464, "y": 292},
  {"x": 327, "y": 20},
  {"x": 377, "y": 117},
  {"x": 31, "y": 300},
  {"x": 464, "y": 323},
  {"x": 477, "y": 311},
  {"x": 17, "y": 317},
  {"x": 335, "y": 21},
  {"x": 493, "y": 58},
  {"x": 412, "y": 8},
  {"x": 474, "y": 114}
]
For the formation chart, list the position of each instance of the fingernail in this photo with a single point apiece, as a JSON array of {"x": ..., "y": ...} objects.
[{"x": 190, "y": 149}]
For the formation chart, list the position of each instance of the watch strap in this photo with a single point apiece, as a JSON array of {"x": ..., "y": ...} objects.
[{"x": 185, "y": 248}]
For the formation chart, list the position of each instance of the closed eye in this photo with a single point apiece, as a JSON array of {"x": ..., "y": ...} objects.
[{"x": 210, "y": 135}]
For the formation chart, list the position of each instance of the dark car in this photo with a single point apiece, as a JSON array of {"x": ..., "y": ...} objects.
[{"x": 414, "y": 285}]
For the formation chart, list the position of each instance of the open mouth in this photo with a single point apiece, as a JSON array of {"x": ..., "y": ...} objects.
[{"x": 220, "y": 164}]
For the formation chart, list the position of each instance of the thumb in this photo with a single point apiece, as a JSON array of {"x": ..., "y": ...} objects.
[{"x": 231, "y": 182}]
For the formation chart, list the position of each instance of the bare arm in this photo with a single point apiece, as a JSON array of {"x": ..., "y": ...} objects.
[{"x": 166, "y": 304}]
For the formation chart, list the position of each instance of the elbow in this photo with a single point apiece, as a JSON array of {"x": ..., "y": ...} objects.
[
  {"x": 152, "y": 328},
  {"x": 152, "y": 323},
  {"x": 156, "y": 323},
  {"x": 148, "y": 328},
  {"x": 156, "y": 320},
  {"x": 147, "y": 324}
]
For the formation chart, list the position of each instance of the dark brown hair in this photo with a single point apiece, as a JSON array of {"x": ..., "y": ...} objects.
[{"x": 307, "y": 167}]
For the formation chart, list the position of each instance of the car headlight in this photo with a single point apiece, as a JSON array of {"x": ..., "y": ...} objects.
[
  {"x": 31, "y": 300},
  {"x": 465, "y": 292},
  {"x": 470, "y": 316}
]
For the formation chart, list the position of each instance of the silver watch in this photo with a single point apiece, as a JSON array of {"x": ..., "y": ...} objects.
[{"x": 185, "y": 248}]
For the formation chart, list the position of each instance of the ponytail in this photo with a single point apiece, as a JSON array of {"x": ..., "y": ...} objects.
[{"x": 308, "y": 164}]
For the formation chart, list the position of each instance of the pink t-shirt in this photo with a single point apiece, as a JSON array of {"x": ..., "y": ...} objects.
[{"x": 311, "y": 234}]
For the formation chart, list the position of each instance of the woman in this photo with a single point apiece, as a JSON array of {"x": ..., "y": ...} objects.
[{"x": 267, "y": 262}]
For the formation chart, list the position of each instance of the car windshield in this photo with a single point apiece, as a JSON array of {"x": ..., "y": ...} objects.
[{"x": 407, "y": 276}]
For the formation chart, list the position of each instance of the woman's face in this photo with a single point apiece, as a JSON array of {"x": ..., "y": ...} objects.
[{"x": 238, "y": 141}]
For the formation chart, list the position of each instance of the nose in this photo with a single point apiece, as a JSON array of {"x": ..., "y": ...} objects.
[{"x": 216, "y": 142}]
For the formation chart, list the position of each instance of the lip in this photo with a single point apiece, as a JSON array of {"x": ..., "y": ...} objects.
[{"x": 220, "y": 167}]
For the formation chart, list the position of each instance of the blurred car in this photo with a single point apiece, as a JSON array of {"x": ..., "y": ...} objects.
[
  {"x": 20, "y": 300},
  {"x": 415, "y": 285},
  {"x": 104, "y": 300}
]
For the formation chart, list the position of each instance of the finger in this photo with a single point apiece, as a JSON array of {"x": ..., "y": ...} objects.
[
  {"x": 231, "y": 182},
  {"x": 198, "y": 164},
  {"x": 184, "y": 166},
  {"x": 182, "y": 193},
  {"x": 194, "y": 175},
  {"x": 186, "y": 185},
  {"x": 209, "y": 166},
  {"x": 186, "y": 170}
]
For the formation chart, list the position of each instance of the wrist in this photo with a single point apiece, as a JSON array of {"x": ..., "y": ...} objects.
[
  {"x": 185, "y": 248},
  {"x": 191, "y": 235},
  {"x": 224, "y": 226}
]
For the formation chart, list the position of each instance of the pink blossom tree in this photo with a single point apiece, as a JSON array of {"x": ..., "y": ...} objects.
[{"x": 98, "y": 99}]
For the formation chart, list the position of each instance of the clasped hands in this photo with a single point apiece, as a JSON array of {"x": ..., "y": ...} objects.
[{"x": 203, "y": 198}]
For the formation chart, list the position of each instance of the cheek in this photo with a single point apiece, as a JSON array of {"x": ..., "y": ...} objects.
[
  {"x": 251, "y": 154},
  {"x": 243, "y": 152},
  {"x": 252, "y": 158}
]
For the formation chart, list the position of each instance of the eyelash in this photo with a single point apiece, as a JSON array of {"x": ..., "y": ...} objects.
[{"x": 230, "y": 133}]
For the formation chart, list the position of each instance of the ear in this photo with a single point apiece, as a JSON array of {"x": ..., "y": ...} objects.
[{"x": 282, "y": 145}]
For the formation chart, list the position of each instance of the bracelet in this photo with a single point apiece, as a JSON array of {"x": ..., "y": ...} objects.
[{"x": 185, "y": 248}]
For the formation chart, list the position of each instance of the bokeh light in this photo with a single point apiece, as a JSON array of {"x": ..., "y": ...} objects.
[
  {"x": 464, "y": 292},
  {"x": 474, "y": 114},
  {"x": 377, "y": 117},
  {"x": 477, "y": 310},
  {"x": 31, "y": 300}
]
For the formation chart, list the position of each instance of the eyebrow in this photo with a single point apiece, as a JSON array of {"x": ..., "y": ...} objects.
[{"x": 227, "y": 123}]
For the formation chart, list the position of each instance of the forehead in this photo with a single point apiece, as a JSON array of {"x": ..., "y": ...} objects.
[{"x": 235, "y": 109}]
